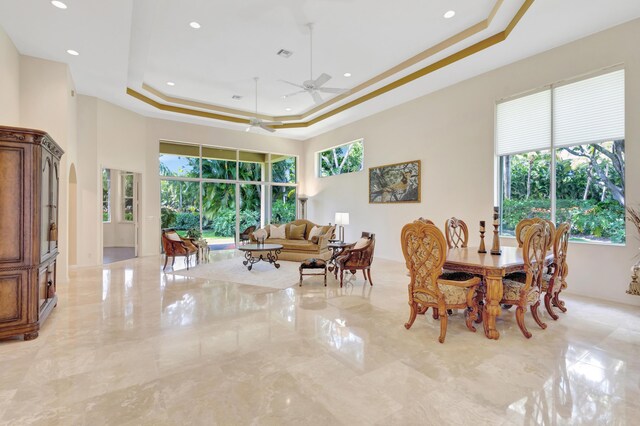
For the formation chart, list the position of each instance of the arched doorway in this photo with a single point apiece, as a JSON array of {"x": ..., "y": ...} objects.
[{"x": 73, "y": 216}]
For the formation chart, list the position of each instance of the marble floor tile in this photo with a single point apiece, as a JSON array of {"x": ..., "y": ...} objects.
[{"x": 130, "y": 345}]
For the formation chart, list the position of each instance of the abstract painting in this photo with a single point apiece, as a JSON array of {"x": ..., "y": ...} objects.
[{"x": 395, "y": 183}]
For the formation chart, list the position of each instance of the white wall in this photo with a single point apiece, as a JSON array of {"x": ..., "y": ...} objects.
[
  {"x": 9, "y": 82},
  {"x": 452, "y": 132}
]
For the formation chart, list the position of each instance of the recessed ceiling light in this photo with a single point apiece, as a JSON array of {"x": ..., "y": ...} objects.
[
  {"x": 170, "y": 83},
  {"x": 450, "y": 14},
  {"x": 287, "y": 109},
  {"x": 347, "y": 74},
  {"x": 59, "y": 4},
  {"x": 284, "y": 96},
  {"x": 236, "y": 97},
  {"x": 194, "y": 24},
  {"x": 72, "y": 52}
]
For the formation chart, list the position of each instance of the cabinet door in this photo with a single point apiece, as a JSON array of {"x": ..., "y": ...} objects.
[
  {"x": 45, "y": 202},
  {"x": 46, "y": 283},
  {"x": 13, "y": 297},
  {"x": 53, "y": 210}
]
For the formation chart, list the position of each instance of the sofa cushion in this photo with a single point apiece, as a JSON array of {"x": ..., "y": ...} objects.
[
  {"x": 278, "y": 232},
  {"x": 295, "y": 245},
  {"x": 296, "y": 232},
  {"x": 314, "y": 232},
  {"x": 260, "y": 234}
]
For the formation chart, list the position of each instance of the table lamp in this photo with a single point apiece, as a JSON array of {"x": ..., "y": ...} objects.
[{"x": 341, "y": 219}]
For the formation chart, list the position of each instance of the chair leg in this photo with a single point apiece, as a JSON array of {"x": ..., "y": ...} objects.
[
  {"x": 369, "y": 273},
  {"x": 341, "y": 276},
  {"x": 443, "y": 328},
  {"x": 166, "y": 258},
  {"x": 173, "y": 261},
  {"x": 364, "y": 273},
  {"x": 422, "y": 309},
  {"x": 534, "y": 312},
  {"x": 436, "y": 313},
  {"x": 412, "y": 315},
  {"x": 520, "y": 311},
  {"x": 479, "y": 306},
  {"x": 471, "y": 315},
  {"x": 547, "y": 304},
  {"x": 558, "y": 303}
]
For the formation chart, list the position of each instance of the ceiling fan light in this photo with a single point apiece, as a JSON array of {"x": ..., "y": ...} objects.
[
  {"x": 449, "y": 14},
  {"x": 59, "y": 4},
  {"x": 195, "y": 25}
]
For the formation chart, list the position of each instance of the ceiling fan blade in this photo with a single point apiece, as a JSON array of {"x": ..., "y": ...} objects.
[
  {"x": 293, "y": 84},
  {"x": 248, "y": 129},
  {"x": 272, "y": 123},
  {"x": 331, "y": 90},
  {"x": 265, "y": 127},
  {"x": 294, "y": 93},
  {"x": 321, "y": 80},
  {"x": 316, "y": 97}
]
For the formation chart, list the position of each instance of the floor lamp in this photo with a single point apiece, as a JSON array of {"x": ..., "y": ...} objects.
[
  {"x": 341, "y": 220},
  {"x": 303, "y": 200}
]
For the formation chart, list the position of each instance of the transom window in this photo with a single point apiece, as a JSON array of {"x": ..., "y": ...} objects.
[
  {"x": 561, "y": 157},
  {"x": 347, "y": 158}
]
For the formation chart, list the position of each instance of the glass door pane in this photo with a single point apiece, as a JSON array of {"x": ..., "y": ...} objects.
[
  {"x": 283, "y": 204},
  {"x": 251, "y": 202},
  {"x": 219, "y": 214},
  {"x": 218, "y": 163},
  {"x": 179, "y": 205}
]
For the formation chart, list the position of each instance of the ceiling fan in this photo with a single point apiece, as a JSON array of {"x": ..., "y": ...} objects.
[
  {"x": 311, "y": 86},
  {"x": 257, "y": 122}
]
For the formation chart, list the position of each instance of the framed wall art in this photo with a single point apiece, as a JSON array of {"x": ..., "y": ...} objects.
[{"x": 395, "y": 183}]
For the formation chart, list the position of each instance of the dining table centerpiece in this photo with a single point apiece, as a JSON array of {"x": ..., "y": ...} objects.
[{"x": 634, "y": 285}]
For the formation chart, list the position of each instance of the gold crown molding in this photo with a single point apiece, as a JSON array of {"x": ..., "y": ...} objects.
[{"x": 455, "y": 57}]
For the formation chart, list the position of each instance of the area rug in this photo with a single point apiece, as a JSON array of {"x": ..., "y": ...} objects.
[{"x": 232, "y": 270}]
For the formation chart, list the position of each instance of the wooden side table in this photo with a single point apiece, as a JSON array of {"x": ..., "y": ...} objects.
[
  {"x": 314, "y": 264},
  {"x": 203, "y": 250}
]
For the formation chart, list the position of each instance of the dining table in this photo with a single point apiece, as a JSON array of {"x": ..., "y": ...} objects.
[{"x": 492, "y": 268}]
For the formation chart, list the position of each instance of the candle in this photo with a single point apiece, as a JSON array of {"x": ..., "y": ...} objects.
[{"x": 482, "y": 225}]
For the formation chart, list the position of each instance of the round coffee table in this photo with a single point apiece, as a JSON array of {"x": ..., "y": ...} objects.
[{"x": 254, "y": 253}]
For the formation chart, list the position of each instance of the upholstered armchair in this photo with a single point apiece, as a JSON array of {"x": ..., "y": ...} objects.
[
  {"x": 457, "y": 233},
  {"x": 245, "y": 236},
  {"x": 174, "y": 246},
  {"x": 425, "y": 250},
  {"x": 553, "y": 282},
  {"x": 526, "y": 292},
  {"x": 358, "y": 257}
]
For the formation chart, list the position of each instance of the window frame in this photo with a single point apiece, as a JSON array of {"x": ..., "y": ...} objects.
[
  {"x": 318, "y": 158},
  {"x": 498, "y": 190},
  {"x": 124, "y": 197},
  {"x": 108, "y": 201}
]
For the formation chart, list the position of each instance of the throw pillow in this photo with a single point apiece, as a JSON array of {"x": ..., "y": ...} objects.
[
  {"x": 278, "y": 231},
  {"x": 315, "y": 239},
  {"x": 361, "y": 243},
  {"x": 315, "y": 231},
  {"x": 260, "y": 234},
  {"x": 173, "y": 236},
  {"x": 296, "y": 232}
]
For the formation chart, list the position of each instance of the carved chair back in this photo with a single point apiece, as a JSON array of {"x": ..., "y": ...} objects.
[
  {"x": 456, "y": 232},
  {"x": 425, "y": 250},
  {"x": 423, "y": 220},
  {"x": 534, "y": 253},
  {"x": 560, "y": 246}
]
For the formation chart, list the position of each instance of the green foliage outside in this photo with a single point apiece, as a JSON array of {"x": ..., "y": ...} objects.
[
  {"x": 342, "y": 159},
  {"x": 589, "y": 190},
  {"x": 180, "y": 199}
]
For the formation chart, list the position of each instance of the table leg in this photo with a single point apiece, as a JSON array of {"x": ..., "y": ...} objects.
[{"x": 492, "y": 306}]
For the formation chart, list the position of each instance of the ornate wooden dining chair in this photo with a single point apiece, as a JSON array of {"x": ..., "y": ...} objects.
[
  {"x": 523, "y": 225},
  {"x": 457, "y": 233},
  {"x": 527, "y": 293},
  {"x": 425, "y": 250},
  {"x": 553, "y": 282},
  {"x": 174, "y": 246},
  {"x": 358, "y": 257}
]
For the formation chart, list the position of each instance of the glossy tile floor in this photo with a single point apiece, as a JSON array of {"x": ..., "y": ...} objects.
[{"x": 128, "y": 344}]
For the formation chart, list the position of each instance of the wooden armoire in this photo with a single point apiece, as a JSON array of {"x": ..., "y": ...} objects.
[{"x": 29, "y": 182}]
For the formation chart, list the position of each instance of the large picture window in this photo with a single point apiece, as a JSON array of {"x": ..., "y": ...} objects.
[
  {"x": 347, "y": 158},
  {"x": 561, "y": 157},
  {"x": 221, "y": 192}
]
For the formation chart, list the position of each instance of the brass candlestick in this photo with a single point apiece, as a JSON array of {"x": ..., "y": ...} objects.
[
  {"x": 495, "y": 248},
  {"x": 482, "y": 249}
]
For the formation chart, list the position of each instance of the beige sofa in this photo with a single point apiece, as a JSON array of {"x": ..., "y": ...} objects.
[{"x": 299, "y": 250}]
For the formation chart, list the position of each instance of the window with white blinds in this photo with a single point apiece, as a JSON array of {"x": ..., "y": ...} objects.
[{"x": 587, "y": 111}]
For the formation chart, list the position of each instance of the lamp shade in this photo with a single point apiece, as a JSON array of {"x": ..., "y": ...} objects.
[{"x": 342, "y": 218}]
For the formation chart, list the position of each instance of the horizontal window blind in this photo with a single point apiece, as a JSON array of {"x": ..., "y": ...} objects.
[
  {"x": 524, "y": 124},
  {"x": 589, "y": 111}
]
